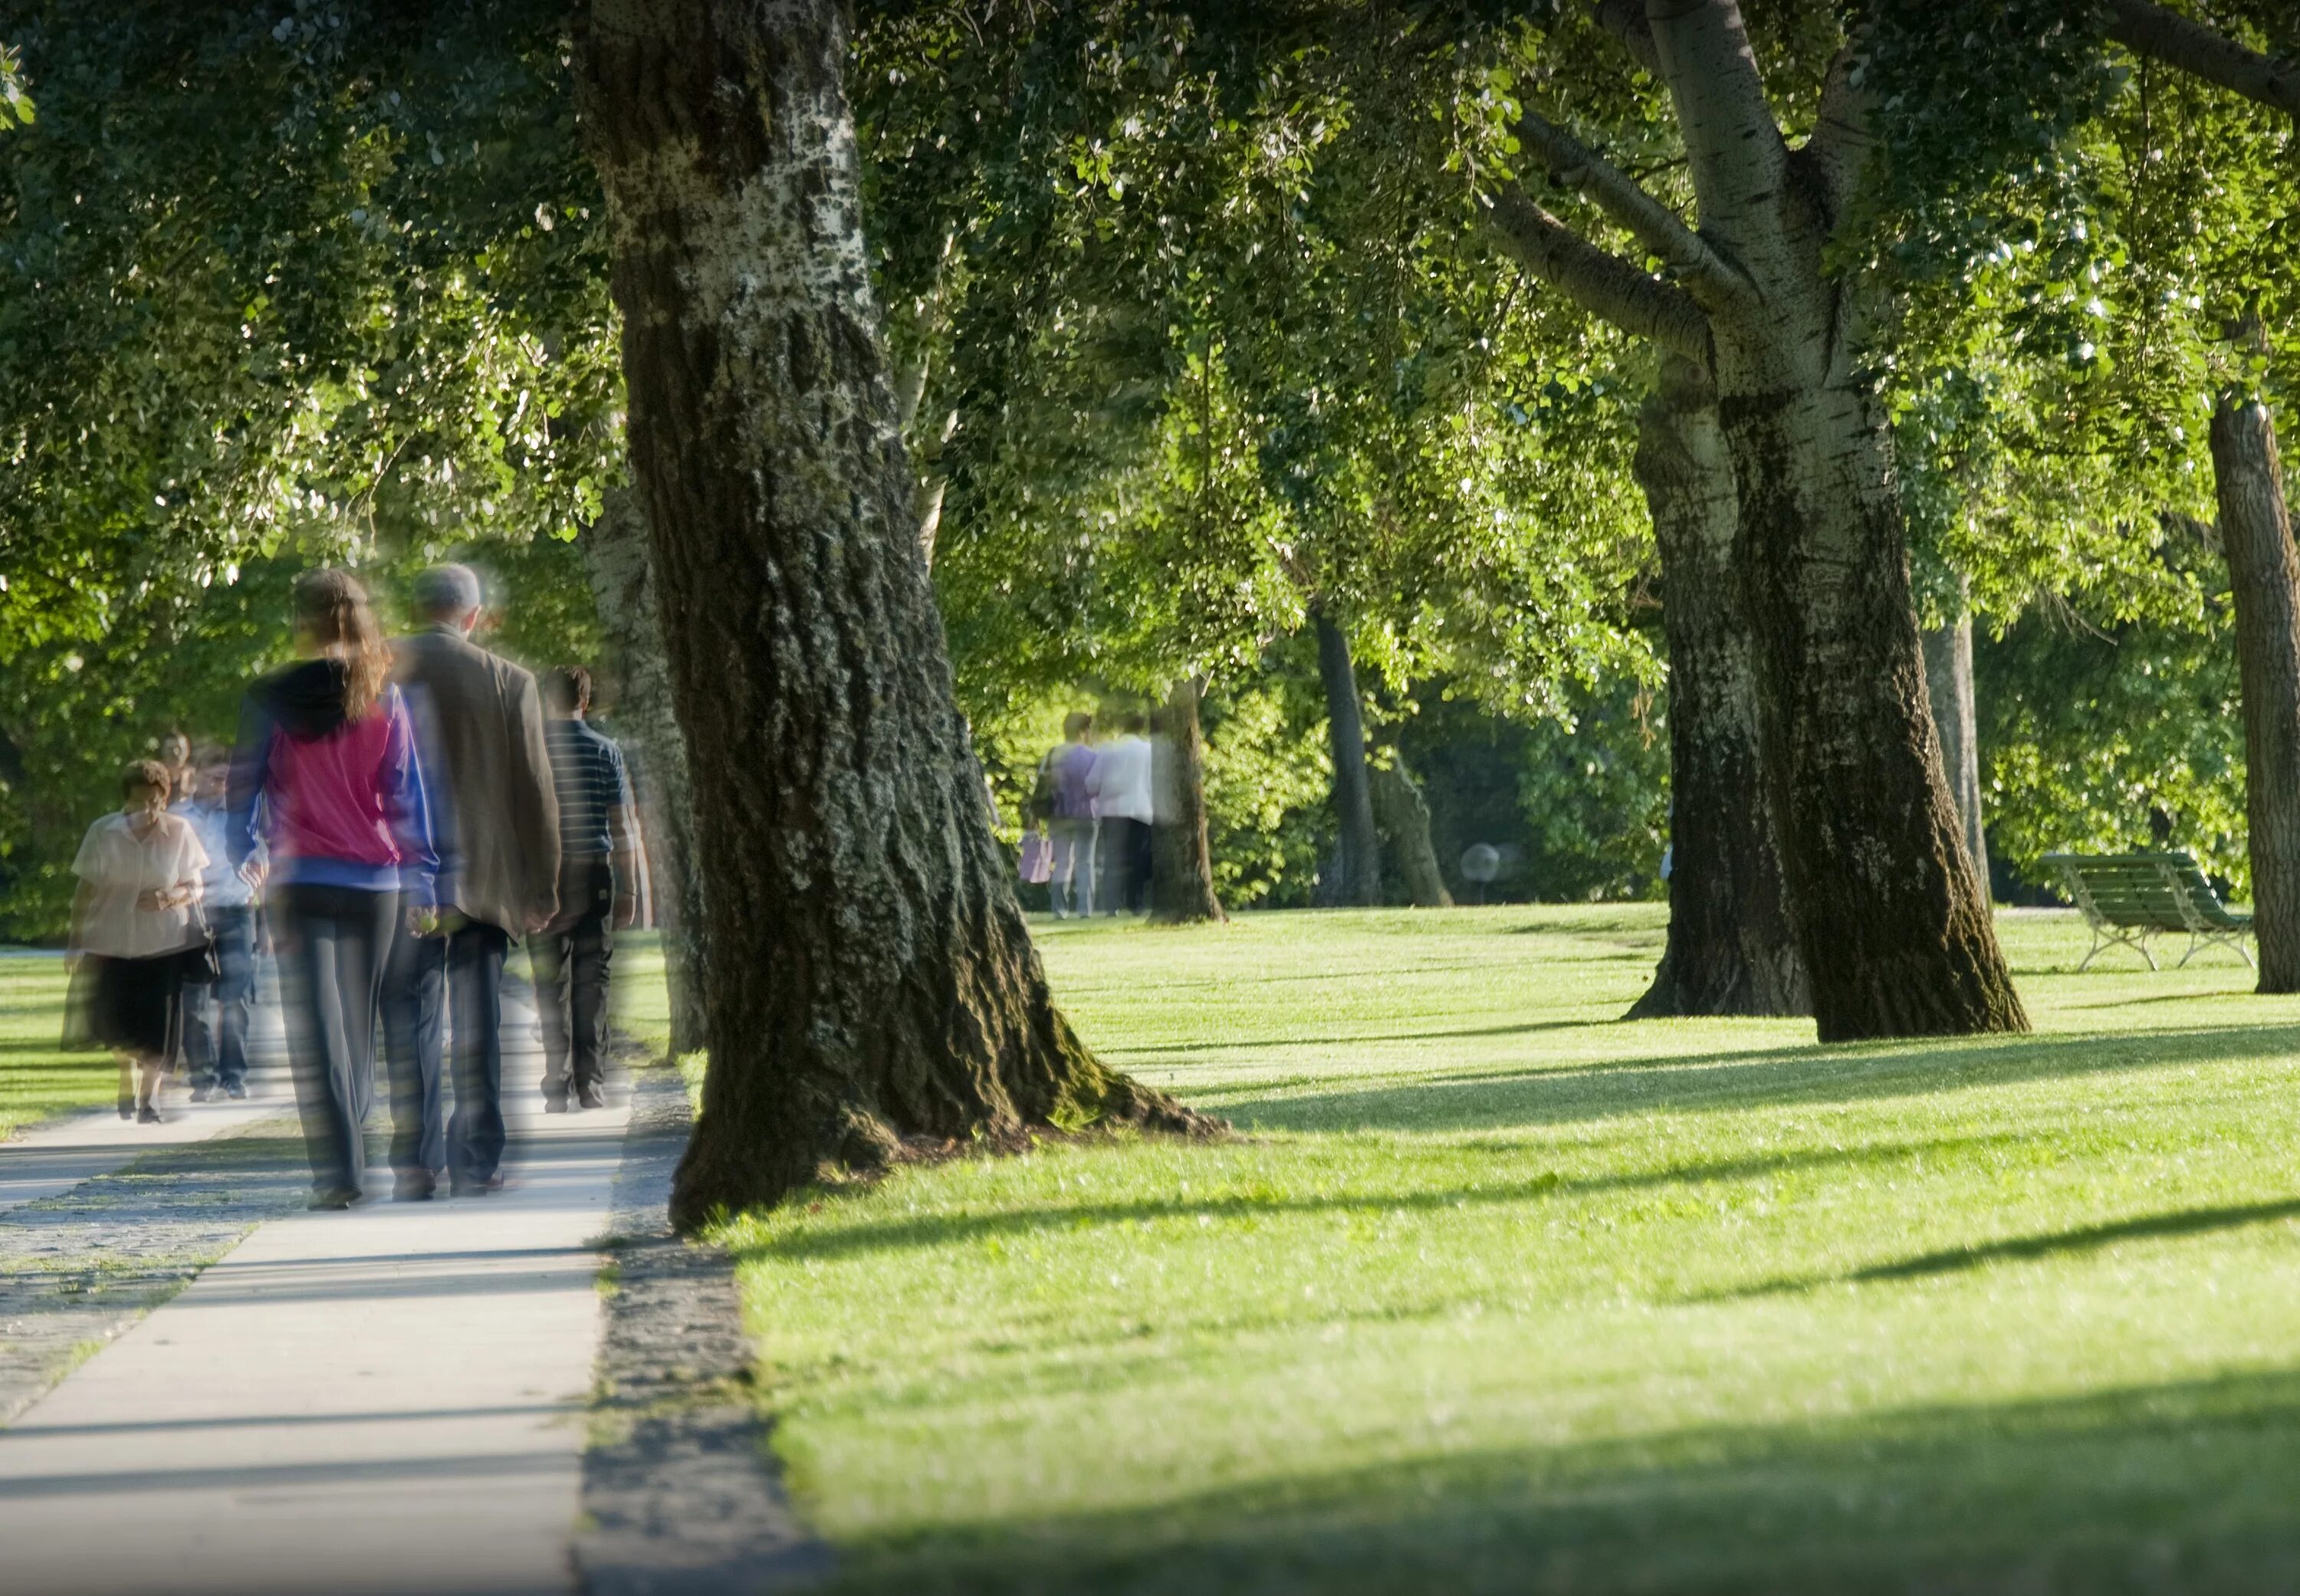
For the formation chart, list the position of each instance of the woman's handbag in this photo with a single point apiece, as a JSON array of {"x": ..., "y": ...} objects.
[{"x": 1037, "y": 859}]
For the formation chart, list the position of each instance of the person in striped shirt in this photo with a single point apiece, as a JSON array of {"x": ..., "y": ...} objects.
[{"x": 598, "y": 892}]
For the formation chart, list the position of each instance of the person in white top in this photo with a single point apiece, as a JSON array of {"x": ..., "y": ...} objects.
[
  {"x": 133, "y": 922},
  {"x": 1120, "y": 786}
]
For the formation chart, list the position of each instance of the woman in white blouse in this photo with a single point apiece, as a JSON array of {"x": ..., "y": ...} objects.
[{"x": 132, "y": 923}]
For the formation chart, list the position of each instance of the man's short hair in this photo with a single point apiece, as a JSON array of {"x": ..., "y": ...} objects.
[
  {"x": 1133, "y": 720},
  {"x": 208, "y": 754},
  {"x": 144, "y": 776},
  {"x": 567, "y": 689},
  {"x": 1077, "y": 724},
  {"x": 447, "y": 590}
]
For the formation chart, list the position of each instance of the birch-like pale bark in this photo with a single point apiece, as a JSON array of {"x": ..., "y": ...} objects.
[
  {"x": 873, "y": 977},
  {"x": 1360, "y": 841},
  {"x": 1731, "y": 948},
  {"x": 1956, "y": 723},
  {"x": 619, "y": 558},
  {"x": 1895, "y": 932},
  {"x": 2265, "y": 580}
]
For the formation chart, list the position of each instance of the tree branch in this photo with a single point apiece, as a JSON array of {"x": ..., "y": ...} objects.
[
  {"x": 2149, "y": 29},
  {"x": 1738, "y": 156},
  {"x": 1625, "y": 20},
  {"x": 1601, "y": 283},
  {"x": 1653, "y": 224},
  {"x": 1841, "y": 142}
]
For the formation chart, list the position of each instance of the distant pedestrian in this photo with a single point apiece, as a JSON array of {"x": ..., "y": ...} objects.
[
  {"x": 1120, "y": 786},
  {"x": 176, "y": 758},
  {"x": 481, "y": 724},
  {"x": 133, "y": 922},
  {"x": 328, "y": 777},
  {"x": 598, "y": 892},
  {"x": 217, "y": 1014},
  {"x": 1064, "y": 804}
]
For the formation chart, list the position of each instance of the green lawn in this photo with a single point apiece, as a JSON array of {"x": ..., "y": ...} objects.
[
  {"x": 39, "y": 1079},
  {"x": 1498, "y": 1294}
]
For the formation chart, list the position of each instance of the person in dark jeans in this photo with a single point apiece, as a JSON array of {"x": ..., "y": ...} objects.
[
  {"x": 216, "y": 1016},
  {"x": 598, "y": 891},
  {"x": 480, "y": 721}
]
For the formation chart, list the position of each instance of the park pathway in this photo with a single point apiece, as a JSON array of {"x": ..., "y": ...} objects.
[
  {"x": 54, "y": 1158},
  {"x": 385, "y": 1401}
]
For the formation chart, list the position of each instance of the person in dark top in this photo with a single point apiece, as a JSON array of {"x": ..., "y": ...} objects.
[{"x": 599, "y": 880}]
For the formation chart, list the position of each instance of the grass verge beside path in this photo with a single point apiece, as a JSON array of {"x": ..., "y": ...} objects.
[
  {"x": 1500, "y": 1294},
  {"x": 39, "y": 1080}
]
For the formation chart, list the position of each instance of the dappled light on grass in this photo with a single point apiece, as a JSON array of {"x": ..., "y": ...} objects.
[{"x": 1495, "y": 1292}]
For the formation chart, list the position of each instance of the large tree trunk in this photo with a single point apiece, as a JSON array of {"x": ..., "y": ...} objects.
[
  {"x": 1403, "y": 815},
  {"x": 2265, "y": 580},
  {"x": 1182, "y": 865},
  {"x": 1896, "y": 935},
  {"x": 618, "y": 555},
  {"x": 1731, "y": 948},
  {"x": 1361, "y": 843},
  {"x": 1948, "y": 687},
  {"x": 873, "y": 977}
]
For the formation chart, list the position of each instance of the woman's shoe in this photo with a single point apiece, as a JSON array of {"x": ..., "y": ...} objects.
[
  {"x": 127, "y": 1107},
  {"x": 332, "y": 1200},
  {"x": 145, "y": 1114}
]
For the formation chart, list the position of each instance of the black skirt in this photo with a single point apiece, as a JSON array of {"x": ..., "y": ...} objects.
[{"x": 132, "y": 1005}]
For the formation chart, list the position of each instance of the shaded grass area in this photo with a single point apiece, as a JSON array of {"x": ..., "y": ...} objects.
[
  {"x": 39, "y": 1079},
  {"x": 1498, "y": 1294}
]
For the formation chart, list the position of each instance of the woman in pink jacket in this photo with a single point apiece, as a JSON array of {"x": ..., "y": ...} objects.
[{"x": 327, "y": 776}]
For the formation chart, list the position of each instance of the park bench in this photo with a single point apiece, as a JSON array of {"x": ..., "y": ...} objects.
[{"x": 2128, "y": 898}]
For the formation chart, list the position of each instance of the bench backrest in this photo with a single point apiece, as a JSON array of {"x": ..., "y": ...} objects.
[{"x": 2125, "y": 889}]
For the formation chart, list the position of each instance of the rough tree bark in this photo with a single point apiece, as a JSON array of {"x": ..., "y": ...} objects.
[
  {"x": 1361, "y": 843},
  {"x": 1895, "y": 934},
  {"x": 1731, "y": 948},
  {"x": 1181, "y": 866},
  {"x": 620, "y": 561},
  {"x": 2265, "y": 580},
  {"x": 1403, "y": 815},
  {"x": 1956, "y": 723},
  {"x": 874, "y": 978}
]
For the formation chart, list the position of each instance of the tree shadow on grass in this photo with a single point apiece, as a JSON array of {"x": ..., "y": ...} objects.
[
  {"x": 1251, "y": 1198},
  {"x": 2178, "y": 1487},
  {"x": 2018, "y": 1249},
  {"x": 1731, "y": 1081}
]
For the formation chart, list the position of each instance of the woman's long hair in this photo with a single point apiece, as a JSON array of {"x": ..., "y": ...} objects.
[{"x": 331, "y": 609}]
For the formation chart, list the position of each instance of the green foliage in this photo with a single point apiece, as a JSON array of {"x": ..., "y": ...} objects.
[{"x": 1269, "y": 780}]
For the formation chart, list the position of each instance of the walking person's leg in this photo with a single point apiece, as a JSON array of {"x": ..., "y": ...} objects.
[
  {"x": 549, "y": 952},
  {"x": 234, "y": 995},
  {"x": 202, "y": 1022},
  {"x": 304, "y": 932},
  {"x": 475, "y": 1133},
  {"x": 1062, "y": 842},
  {"x": 1145, "y": 860},
  {"x": 414, "y": 1000},
  {"x": 591, "y": 947},
  {"x": 363, "y": 943}
]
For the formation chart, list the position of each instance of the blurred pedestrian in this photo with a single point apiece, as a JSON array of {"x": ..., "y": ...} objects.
[
  {"x": 217, "y": 1014},
  {"x": 327, "y": 768},
  {"x": 1120, "y": 786},
  {"x": 176, "y": 758},
  {"x": 482, "y": 723},
  {"x": 598, "y": 892},
  {"x": 1067, "y": 808},
  {"x": 133, "y": 918}
]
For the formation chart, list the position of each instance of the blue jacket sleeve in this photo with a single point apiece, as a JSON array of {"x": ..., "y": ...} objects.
[
  {"x": 251, "y": 762},
  {"x": 408, "y": 801}
]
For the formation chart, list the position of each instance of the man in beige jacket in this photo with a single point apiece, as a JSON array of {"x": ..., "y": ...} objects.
[{"x": 479, "y": 727}]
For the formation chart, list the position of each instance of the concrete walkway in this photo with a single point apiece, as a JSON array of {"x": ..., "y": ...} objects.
[
  {"x": 55, "y": 1157},
  {"x": 380, "y": 1401}
]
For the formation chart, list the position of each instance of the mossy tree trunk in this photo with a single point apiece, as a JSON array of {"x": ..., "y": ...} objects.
[
  {"x": 1181, "y": 870},
  {"x": 1360, "y": 841},
  {"x": 2265, "y": 580},
  {"x": 619, "y": 558},
  {"x": 873, "y": 979},
  {"x": 1731, "y": 948}
]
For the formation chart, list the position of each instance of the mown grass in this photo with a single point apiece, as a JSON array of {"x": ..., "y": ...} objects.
[
  {"x": 1497, "y": 1293},
  {"x": 38, "y": 1078}
]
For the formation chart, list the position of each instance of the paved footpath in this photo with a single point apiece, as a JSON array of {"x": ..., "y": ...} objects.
[{"x": 385, "y": 1401}]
